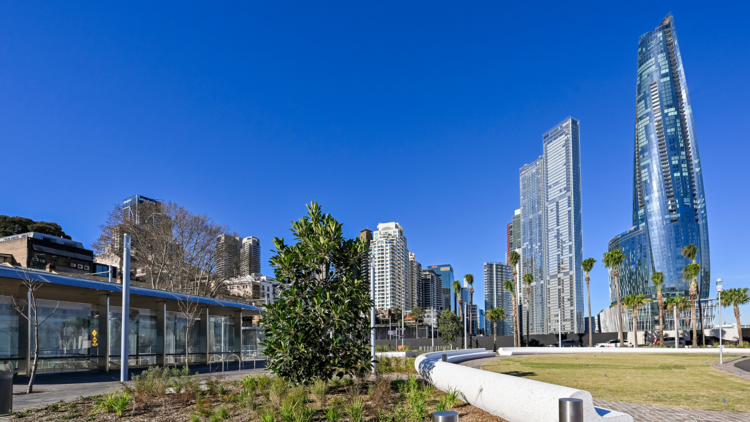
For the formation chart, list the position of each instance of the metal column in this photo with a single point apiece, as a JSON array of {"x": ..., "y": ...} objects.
[
  {"x": 102, "y": 334},
  {"x": 161, "y": 333}
]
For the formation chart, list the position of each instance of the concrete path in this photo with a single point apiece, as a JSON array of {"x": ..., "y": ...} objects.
[
  {"x": 649, "y": 413},
  {"x": 51, "y": 388},
  {"x": 734, "y": 366}
]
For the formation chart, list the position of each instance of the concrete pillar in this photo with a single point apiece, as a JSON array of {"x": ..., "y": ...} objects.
[
  {"x": 161, "y": 333},
  {"x": 237, "y": 333},
  {"x": 203, "y": 334},
  {"x": 102, "y": 334}
]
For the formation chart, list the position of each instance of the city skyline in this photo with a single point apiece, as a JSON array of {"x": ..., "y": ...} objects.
[{"x": 170, "y": 112}]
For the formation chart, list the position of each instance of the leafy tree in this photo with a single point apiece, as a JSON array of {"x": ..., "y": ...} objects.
[
  {"x": 510, "y": 287},
  {"x": 658, "y": 279},
  {"x": 319, "y": 326},
  {"x": 690, "y": 272},
  {"x": 735, "y": 297},
  {"x": 457, "y": 291},
  {"x": 495, "y": 315},
  {"x": 635, "y": 303},
  {"x": 449, "y": 327},
  {"x": 527, "y": 280},
  {"x": 513, "y": 259},
  {"x": 612, "y": 260},
  {"x": 417, "y": 313},
  {"x": 17, "y": 225},
  {"x": 587, "y": 265},
  {"x": 691, "y": 252},
  {"x": 470, "y": 281}
]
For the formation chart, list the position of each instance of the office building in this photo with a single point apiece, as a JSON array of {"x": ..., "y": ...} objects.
[
  {"x": 513, "y": 232},
  {"x": 563, "y": 246},
  {"x": 390, "y": 259},
  {"x": 495, "y": 295},
  {"x": 669, "y": 205},
  {"x": 132, "y": 204},
  {"x": 446, "y": 275},
  {"x": 250, "y": 256},
  {"x": 415, "y": 282},
  {"x": 431, "y": 294},
  {"x": 47, "y": 252},
  {"x": 532, "y": 247}
]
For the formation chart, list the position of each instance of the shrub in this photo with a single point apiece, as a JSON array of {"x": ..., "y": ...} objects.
[
  {"x": 278, "y": 390},
  {"x": 319, "y": 389},
  {"x": 442, "y": 404},
  {"x": 354, "y": 410},
  {"x": 333, "y": 414},
  {"x": 347, "y": 381},
  {"x": 263, "y": 381},
  {"x": 382, "y": 393},
  {"x": 116, "y": 403},
  {"x": 303, "y": 414},
  {"x": 201, "y": 406}
]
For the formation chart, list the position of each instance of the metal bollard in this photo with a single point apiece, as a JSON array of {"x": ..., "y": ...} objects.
[
  {"x": 571, "y": 410},
  {"x": 445, "y": 416},
  {"x": 445, "y": 357}
]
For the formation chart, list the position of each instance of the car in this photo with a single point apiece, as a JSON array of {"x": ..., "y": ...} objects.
[
  {"x": 565, "y": 343},
  {"x": 669, "y": 341},
  {"x": 614, "y": 343}
]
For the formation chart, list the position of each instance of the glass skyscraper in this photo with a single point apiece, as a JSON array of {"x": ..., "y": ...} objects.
[
  {"x": 532, "y": 247},
  {"x": 445, "y": 272},
  {"x": 669, "y": 206}
]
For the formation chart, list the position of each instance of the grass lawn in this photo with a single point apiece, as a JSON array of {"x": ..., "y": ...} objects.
[{"x": 674, "y": 380}]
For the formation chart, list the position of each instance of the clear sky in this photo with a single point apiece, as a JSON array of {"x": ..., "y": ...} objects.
[{"x": 415, "y": 112}]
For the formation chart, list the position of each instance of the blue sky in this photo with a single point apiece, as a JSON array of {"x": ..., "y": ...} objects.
[{"x": 420, "y": 113}]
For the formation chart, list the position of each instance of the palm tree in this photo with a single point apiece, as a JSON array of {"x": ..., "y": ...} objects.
[
  {"x": 682, "y": 304},
  {"x": 612, "y": 260},
  {"x": 513, "y": 259},
  {"x": 658, "y": 279},
  {"x": 690, "y": 252},
  {"x": 735, "y": 297},
  {"x": 528, "y": 279},
  {"x": 510, "y": 287},
  {"x": 495, "y": 315},
  {"x": 469, "y": 278},
  {"x": 587, "y": 265},
  {"x": 457, "y": 291},
  {"x": 690, "y": 272},
  {"x": 635, "y": 303}
]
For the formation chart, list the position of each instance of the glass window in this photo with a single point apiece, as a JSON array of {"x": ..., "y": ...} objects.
[{"x": 142, "y": 337}]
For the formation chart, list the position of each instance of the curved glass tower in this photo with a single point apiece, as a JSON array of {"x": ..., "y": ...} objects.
[{"x": 669, "y": 205}]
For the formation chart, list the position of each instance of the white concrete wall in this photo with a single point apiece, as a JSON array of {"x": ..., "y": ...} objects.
[
  {"x": 507, "y": 351},
  {"x": 396, "y": 354},
  {"x": 514, "y": 399}
]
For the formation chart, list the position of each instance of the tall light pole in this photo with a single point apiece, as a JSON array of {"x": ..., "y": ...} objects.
[
  {"x": 124, "y": 346},
  {"x": 432, "y": 329},
  {"x": 403, "y": 328},
  {"x": 676, "y": 328},
  {"x": 559, "y": 329},
  {"x": 372, "y": 316},
  {"x": 719, "y": 289}
]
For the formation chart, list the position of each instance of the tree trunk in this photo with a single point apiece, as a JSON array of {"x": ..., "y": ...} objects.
[
  {"x": 528, "y": 305},
  {"x": 739, "y": 326},
  {"x": 635, "y": 327},
  {"x": 494, "y": 339},
  {"x": 30, "y": 388},
  {"x": 515, "y": 327},
  {"x": 591, "y": 329},
  {"x": 187, "y": 350},
  {"x": 619, "y": 307},
  {"x": 695, "y": 326},
  {"x": 516, "y": 321},
  {"x": 660, "y": 299}
]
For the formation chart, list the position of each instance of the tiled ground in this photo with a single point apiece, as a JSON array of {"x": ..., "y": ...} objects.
[
  {"x": 731, "y": 366},
  {"x": 648, "y": 413}
]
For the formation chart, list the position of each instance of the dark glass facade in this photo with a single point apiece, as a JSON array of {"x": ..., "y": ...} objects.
[
  {"x": 445, "y": 272},
  {"x": 669, "y": 206}
]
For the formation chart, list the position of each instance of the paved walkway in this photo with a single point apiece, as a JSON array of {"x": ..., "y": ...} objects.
[
  {"x": 51, "y": 388},
  {"x": 649, "y": 413},
  {"x": 734, "y": 366}
]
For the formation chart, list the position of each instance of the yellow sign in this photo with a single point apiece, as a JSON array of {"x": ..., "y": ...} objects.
[
  {"x": 94, "y": 342},
  {"x": 94, "y": 333}
]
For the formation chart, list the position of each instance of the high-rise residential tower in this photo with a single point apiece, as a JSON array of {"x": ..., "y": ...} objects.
[
  {"x": 495, "y": 295},
  {"x": 390, "y": 259},
  {"x": 563, "y": 246},
  {"x": 533, "y": 239},
  {"x": 669, "y": 205},
  {"x": 431, "y": 291},
  {"x": 446, "y": 275},
  {"x": 513, "y": 232},
  {"x": 414, "y": 289},
  {"x": 227, "y": 256},
  {"x": 250, "y": 256},
  {"x": 364, "y": 267}
]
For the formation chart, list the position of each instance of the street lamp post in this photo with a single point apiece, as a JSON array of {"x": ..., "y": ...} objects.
[
  {"x": 719, "y": 289},
  {"x": 124, "y": 346},
  {"x": 559, "y": 330},
  {"x": 432, "y": 329},
  {"x": 372, "y": 316},
  {"x": 676, "y": 328}
]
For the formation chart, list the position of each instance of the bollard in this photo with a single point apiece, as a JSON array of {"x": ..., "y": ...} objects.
[
  {"x": 445, "y": 357},
  {"x": 445, "y": 416},
  {"x": 571, "y": 410}
]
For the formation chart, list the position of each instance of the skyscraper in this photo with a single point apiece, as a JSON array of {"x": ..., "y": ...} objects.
[
  {"x": 495, "y": 295},
  {"x": 227, "y": 256},
  {"x": 391, "y": 263},
  {"x": 131, "y": 205},
  {"x": 431, "y": 294},
  {"x": 446, "y": 275},
  {"x": 364, "y": 267},
  {"x": 669, "y": 205},
  {"x": 250, "y": 256},
  {"x": 414, "y": 286},
  {"x": 533, "y": 238},
  {"x": 563, "y": 246},
  {"x": 513, "y": 232}
]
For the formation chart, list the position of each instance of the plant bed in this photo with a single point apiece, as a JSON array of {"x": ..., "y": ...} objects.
[{"x": 173, "y": 395}]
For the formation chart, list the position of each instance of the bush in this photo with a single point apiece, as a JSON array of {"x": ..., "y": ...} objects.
[
  {"x": 319, "y": 389},
  {"x": 116, "y": 403},
  {"x": 354, "y": 410},
  {"x": 277, "y": 390}
]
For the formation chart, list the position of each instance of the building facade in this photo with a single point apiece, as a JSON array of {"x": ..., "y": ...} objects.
[
  {"x": 414, "y": 292},
  {"x": 431, "y": 290},
  {"x": 131, "y": 205},
  {"x": 46, "y": 252},
  {"x": 446, "y": 275},
  {"x": 669, "y": 205},
  {"x": 563, "y": 246},
  {"x": 390, "y": 260},
  {"x": 250, "y": 256},
  {"x": 495, "y": 295},
  {"x": 513, "y": 235},
  {"x": 533, "y": 240},
  {"x": 227, "y": 256}
]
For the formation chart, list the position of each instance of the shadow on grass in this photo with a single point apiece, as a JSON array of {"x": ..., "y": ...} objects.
[{"x": 519, "y": 373}]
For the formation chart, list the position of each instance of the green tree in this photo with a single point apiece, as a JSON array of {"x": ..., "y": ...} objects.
[
  {"x": 635, "y": 303},
  {"x": 658, "y": 279},
  {"x": 587, "y": 265},
  {"x": 736, "y": 297},
  {"x": 510, "y": 287},
  {"x": 470, "y": 281},
  {"x": 495, "y": 315},
  {"x": 612, "y": 260},
  {"x": 17, "y": 225},
  {"x": 691, "y": 252},
  {"x": 449, "y": 326},
  {"x": 319, "y": 326},
  {"x": 457, "y": 291},
  {"x": 527, "y": 280},
  {"x": 417, "y": 313},
  {"x": 513, "y": 259},
  {"x": 690, "y": 272}
]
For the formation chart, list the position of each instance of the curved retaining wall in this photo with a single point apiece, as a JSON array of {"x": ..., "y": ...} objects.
[
  {"x": 508, "y": 351},
  {"x": 512, "y": 398}
]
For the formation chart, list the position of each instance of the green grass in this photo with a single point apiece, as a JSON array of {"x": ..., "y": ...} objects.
[{"x": 674, "y": 380}]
